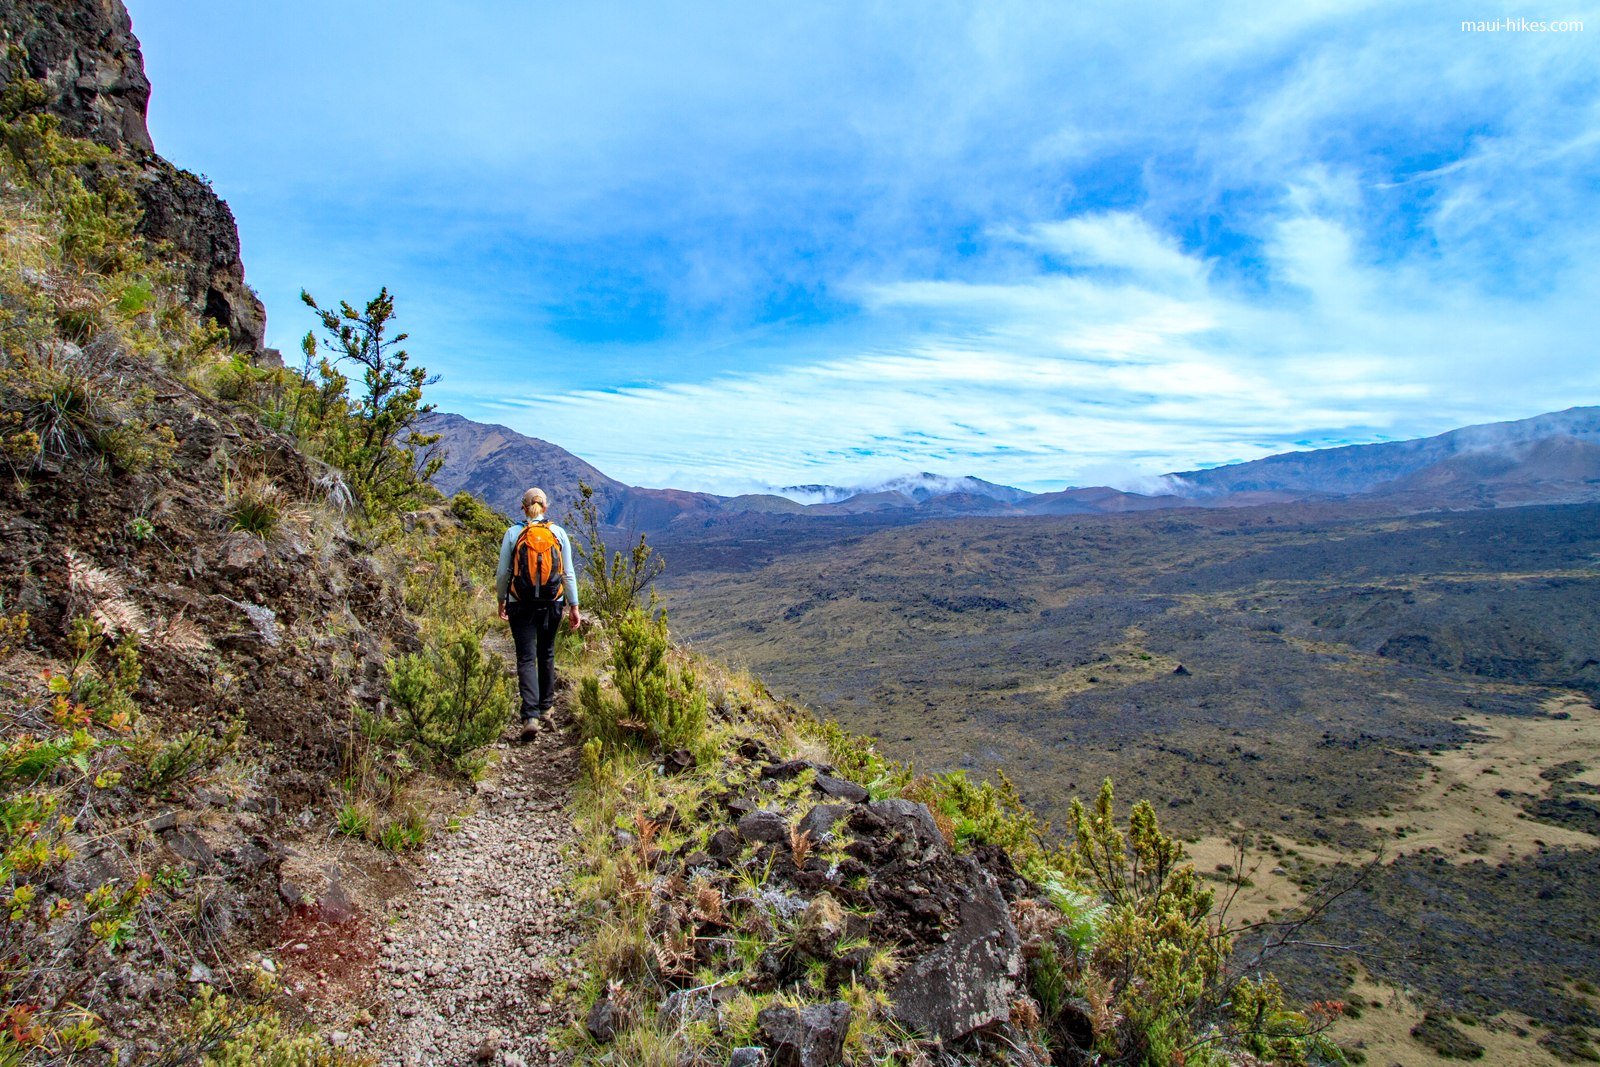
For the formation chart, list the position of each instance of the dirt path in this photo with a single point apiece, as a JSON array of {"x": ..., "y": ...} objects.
[{"x": 474, "y": 966}]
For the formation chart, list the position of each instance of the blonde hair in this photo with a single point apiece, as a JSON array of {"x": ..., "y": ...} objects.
[{"x": 535, "y": 496}]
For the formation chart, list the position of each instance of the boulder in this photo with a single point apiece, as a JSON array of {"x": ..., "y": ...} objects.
[
  {"x": 602, "y": 1021},
  {"x": 723, "y": 845},
  {"x": 764, "y": 826},
  {"x": 788, "y": 769},
  {"x": 821, "y": 927},
  {"x": 820, "y": 820},
  {"x": 812, "y": 1036},
  {"x": 967, "y": 982},
  {"x": 840, "y": 789},
  {"x": 909, "y": 817}
]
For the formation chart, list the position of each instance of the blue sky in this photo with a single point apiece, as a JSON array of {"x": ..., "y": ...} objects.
[{"x": 723, "y": 246}]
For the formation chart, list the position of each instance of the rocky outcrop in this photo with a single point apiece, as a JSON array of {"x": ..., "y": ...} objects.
[
  {"x": 853, "y": 876},
  {"x": 84, "y": 56},
  {"x": 182, "y": 211}
]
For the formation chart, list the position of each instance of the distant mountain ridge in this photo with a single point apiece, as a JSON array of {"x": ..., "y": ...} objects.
[
  {"x": 1552, "y": 458},
  {"x": 1354, "y": 469}
]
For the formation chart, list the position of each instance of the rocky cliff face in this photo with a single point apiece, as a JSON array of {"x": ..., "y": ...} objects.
[{"x": 85, "y": 56}]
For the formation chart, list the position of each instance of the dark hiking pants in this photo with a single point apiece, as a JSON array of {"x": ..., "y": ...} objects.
[{"x": 533, "y": 628}]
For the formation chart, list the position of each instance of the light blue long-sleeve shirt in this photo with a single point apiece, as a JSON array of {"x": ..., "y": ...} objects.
[{"x": 508, "y": 543}]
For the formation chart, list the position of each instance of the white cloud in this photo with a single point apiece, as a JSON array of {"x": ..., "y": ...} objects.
[
  {"x": 1053, "y": 379},
  {"x": 1023, "y": 240}
]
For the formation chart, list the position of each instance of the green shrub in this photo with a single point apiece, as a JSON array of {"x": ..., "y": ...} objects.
[
  {"x": 612, "y": 584},
  {"x": 985, "y": 813},
  {"x": 1143, "y": 913},
  {"x": 226, "y": 1033},
  {"x": 664, "y": 704},
  {"x": 188, "y": 752},
  {"x": 858, "y": 759},
  {"x": 409, "y": 831},
  {"x": 452, "y": 699}
]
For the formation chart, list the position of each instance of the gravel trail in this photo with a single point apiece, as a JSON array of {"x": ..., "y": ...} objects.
[{"x": 471, "y": 965}]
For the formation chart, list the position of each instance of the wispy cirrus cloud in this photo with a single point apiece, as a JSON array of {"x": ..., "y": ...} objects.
[{"x": 1133, "y": 359}]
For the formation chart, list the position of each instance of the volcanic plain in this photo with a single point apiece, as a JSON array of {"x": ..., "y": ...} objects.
[{"x": 1320, "y": 686}]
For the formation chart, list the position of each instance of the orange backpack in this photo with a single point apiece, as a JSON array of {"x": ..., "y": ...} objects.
[{"x": 536, "y": 565}]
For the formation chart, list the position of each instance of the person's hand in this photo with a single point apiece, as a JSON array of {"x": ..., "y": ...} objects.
[
  {"x": 503, "y": 616},
  {"x": 573, "y": 618}
]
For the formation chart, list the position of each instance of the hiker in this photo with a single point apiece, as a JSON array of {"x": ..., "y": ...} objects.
[{"x": 534, "y": 577}]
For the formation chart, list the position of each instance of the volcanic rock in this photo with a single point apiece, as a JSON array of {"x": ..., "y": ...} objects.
[
  {"x": 764, "y": 826},
  {"x": 810, "y": 1037},
  {"x": 840, "y": 788},
  {"x": 967, "y": 982}
]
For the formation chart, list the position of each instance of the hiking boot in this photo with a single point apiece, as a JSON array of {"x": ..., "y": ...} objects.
[{"x": 530, "y": 729}]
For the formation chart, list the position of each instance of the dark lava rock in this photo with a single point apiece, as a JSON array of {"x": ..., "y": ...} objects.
[
  {"x": 764, "y": 826},
  {"x": 1445, "y": 1040},
  {"x": 1181, "y": 669},
  {"x": 754, "y": 748},
  {"x": 910, "y": 817},
  {"x": 840, "y": 789},
  {"x": 602, "y": 1021},
  {"x": 968, "y": 981},
  {"x": 820, "y": 819},
  {"x": 723, "y": 845},
  {"x": 88, "y": 62},
  {"x": 750, "y": 1056},
  {"x": 677, "y": 761},
  {"x": 787, "y": 770},
  {"x": 192, "y": 847},
  {"x": 85, "y": 58},
  {"x": 810, "y": 1037},
  {"x": 851, "y": 967}
]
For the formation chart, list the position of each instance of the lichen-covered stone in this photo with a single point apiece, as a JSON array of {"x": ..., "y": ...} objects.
[
  {"x": 908, "y": 815},
  {"x": 969, "y": 981}
]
